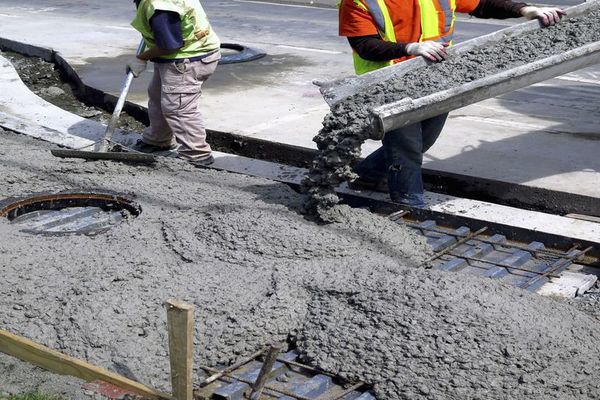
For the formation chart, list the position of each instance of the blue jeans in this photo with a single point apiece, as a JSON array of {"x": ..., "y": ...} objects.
[{"x": 400, "y": 159}]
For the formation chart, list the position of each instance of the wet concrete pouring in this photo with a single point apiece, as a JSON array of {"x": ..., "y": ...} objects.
[
  {"x": 352, "y": 295},
  {"x": 346, "y": 128}
]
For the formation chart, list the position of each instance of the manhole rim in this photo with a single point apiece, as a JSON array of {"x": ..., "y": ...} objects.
[
  {"x": 13, "y": 207},
  {"x": 11, "y": 204}
]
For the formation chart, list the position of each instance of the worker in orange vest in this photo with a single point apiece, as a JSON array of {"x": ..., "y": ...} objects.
[{"x": 384, "y": 32}]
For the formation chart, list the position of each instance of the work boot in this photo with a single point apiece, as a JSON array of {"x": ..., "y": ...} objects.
[
  {"x": 202, "y": 163},
  {"x": 406, "y": 186},
  {"x": 412, "y": 200},
  {"x": 144, "y": 147},
  {"x": 362, "y": 183}
]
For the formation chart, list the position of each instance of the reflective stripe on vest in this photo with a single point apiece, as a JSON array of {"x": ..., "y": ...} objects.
[
  {"x": 437, "y": 27},
  {"x": 434, "y": 26},
  {"x": 198, "y": 36},
  {"x": 381, "y": 15}
]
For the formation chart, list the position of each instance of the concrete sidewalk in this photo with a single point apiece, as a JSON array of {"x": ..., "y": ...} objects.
[{"x": 544, "y": 136}]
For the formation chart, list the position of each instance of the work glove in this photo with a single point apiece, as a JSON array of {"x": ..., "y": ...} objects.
[
  {"x": 547, "y": 15},
  {"x": 433, "y": 51},
  {"x": 136, "y": 66}
]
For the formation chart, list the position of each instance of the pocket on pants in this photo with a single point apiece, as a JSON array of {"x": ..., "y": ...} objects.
[
  {"x": 176, "y": 98},
  {"x": 206, "y": 66}
]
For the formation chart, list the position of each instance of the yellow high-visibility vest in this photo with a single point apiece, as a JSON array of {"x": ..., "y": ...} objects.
[
  {"x": 198, "y": 36},
  {"x": 431, "y": 26}
]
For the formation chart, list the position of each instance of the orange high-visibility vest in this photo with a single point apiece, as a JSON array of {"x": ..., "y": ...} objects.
[{"x": 437, "y": 23}]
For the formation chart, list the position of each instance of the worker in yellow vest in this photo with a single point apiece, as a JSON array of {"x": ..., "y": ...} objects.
[
  {"x": 185, "y": 51},
  {"x": 383, "y": 32}
]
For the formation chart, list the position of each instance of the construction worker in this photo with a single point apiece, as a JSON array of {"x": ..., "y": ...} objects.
[
  {"x": 185, "y": 52},
  {"x": 384, "y": 32}
]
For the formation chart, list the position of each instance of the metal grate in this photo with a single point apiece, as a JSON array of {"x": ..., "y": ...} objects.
[
  {"x": 288, "y": 380},
  {"x": 87, "y": 220},
  {"x": 68, "y": 213},
  {"x": 526, "y": 266}
]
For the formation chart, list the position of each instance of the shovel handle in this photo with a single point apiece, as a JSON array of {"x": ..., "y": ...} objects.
[{"x": 110, "y": 129}]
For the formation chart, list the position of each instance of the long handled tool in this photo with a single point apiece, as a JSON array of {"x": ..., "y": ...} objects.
[{"x": 103, "y": 152}]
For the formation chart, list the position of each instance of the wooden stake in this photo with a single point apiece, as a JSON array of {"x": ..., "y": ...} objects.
[
  {"x": 54, "y": 361},
  {"x": 180, "y": 318}
]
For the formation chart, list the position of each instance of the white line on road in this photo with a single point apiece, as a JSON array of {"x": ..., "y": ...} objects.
[
  {"x": 284, "y": 5},
  {"x": 580, "y": 80},
  {"x": 309, "y": 49},
  {"x": 511, "y": 124},
  {"x": 123, "y": 28}
]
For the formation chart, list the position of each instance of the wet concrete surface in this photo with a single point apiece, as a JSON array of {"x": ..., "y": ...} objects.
[
  {"x": 424, "y": 336},
  {"x": 21, "y": 378},
  {"x": 354, "y": 296},
  {"x": 589, "y": 302},
  {"x": 347, "y": 127},
  {"x": 348, "y": 293},
  {"x": 225, "y": 242}
]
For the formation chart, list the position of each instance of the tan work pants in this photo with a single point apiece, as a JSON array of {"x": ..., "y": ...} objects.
[{"x": 174, "y": 106}]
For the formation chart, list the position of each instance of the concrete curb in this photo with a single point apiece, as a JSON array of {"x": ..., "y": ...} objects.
[{"x": 88, "y": 93}]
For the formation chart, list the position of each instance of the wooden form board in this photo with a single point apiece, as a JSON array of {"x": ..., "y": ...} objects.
[
  {"x": 180, "y": 319},
  {"x": 54, "y": 361}
]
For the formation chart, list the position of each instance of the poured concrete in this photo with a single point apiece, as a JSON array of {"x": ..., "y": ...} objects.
[
  {"x": 418, "y": 344},
  {"x": 226, "y": 242},
  {"x": 20, "y": 377},
  {"x": 543, "y": 136},
  {"x": 352, "y": 295}
]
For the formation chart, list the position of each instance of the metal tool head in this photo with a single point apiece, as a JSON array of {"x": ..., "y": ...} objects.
[{"x": 142, "y": 158}]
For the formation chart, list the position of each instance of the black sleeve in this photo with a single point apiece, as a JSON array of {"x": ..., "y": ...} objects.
[
  {"x": 166, "y": 28},
  {"x": 373, "y": 48},
  {"x": 498, "y": 9}
]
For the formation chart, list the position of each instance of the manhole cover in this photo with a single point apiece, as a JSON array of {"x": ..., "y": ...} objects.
[{"x": 68, "y": 213}]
